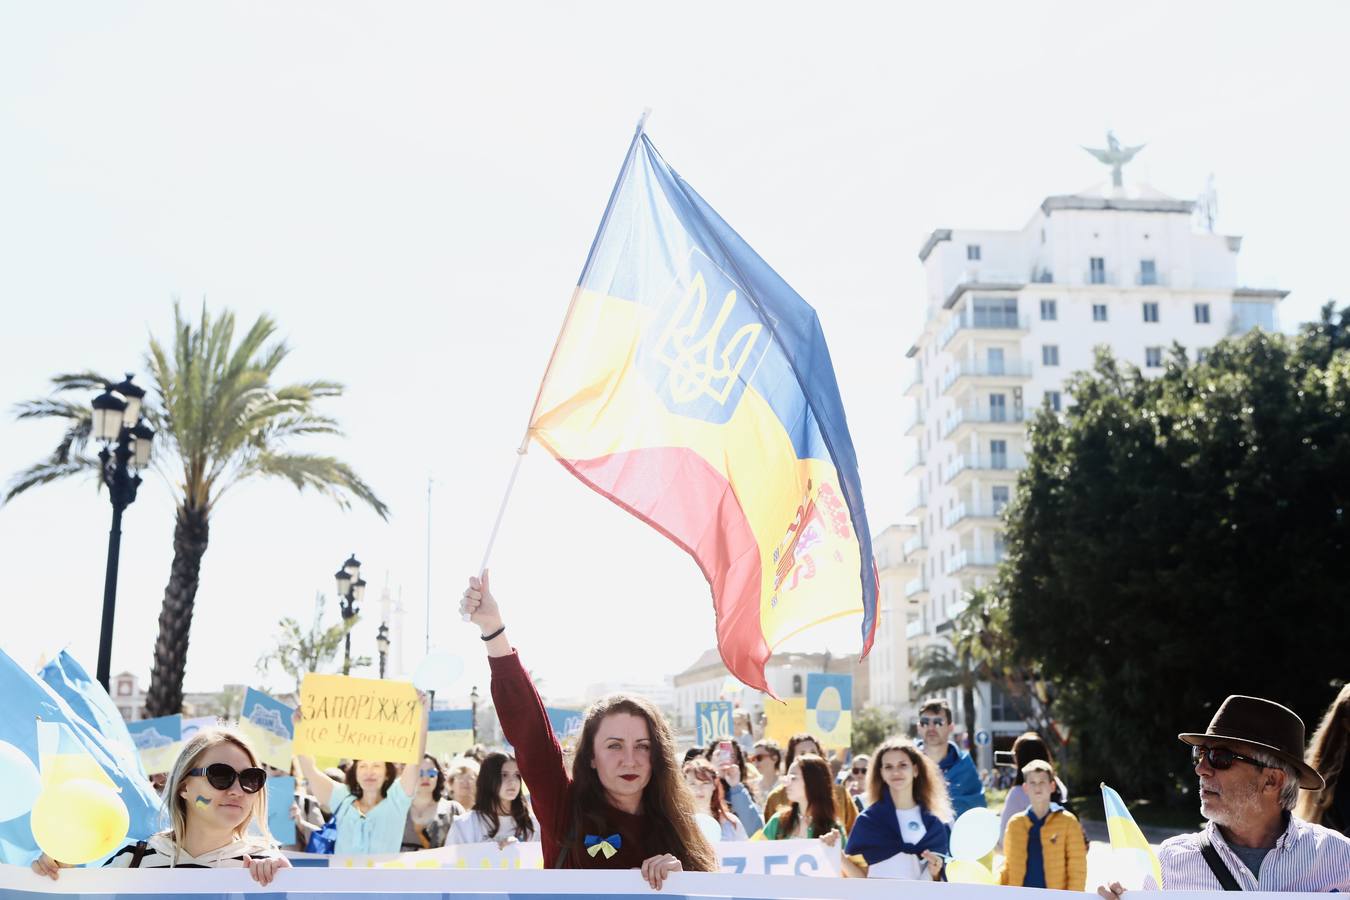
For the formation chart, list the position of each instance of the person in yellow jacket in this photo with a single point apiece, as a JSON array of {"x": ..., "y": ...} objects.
[
  {"x": 778, "y": 799},
  {"x": 1043, "y": 845}
]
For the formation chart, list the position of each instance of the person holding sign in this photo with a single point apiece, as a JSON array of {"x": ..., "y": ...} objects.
[
  {"x": 624, "y": 805},
  {"x": 707, "y": 788},
  {"x": 811, "y": 813},
  {"x": 903, "y": 833},
  {"x": 213, "y": 793},
  {"x": 499, "y": 810},
  {"x": 371, "y": 806}
]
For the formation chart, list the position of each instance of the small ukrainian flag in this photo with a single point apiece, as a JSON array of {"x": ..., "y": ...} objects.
[{"x": 1126, "y": 838}]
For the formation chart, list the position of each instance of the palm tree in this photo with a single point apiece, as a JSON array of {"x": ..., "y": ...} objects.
[
  {"x": 941, "y": 669},
  {"x": 220, "y": 421}
]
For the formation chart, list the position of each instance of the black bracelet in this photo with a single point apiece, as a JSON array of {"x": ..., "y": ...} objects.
[{"x": 488, "y": 637}]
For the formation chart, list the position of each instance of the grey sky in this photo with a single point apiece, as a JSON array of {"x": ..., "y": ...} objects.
[{"x": 411, "y": 189}]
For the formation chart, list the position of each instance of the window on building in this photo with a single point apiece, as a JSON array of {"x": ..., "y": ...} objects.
[
  {"x": 1148, "y": 272},
  {"x": 994, "y": 312},
  {"x": 1201, "y": 354},
  {"x": 1001, "y": 708},
  {"x": 1247, "y": 316},
  {"x": 993, "y": 360},
  {"x": 1050, "y": 354},
  {"x": 973, "y": 252},
  {"x": 1150, "y": 312},
  {"x": 1099, "y": 312},
  {"x": 999, "y": 494},
  {"x": 1049, "y": 313},
  {"x": 1054, "y": 399},
  {"x": 998, "y": 454},
  {"x": 1097, "y": 270},
  {"x": 124, "y": 689},
  {"x": 796, "y": 684},
  {"x": 998, "y": 407},
  {"x": 1202, "y": 313},
  {"x": 1153, "y": 357}
]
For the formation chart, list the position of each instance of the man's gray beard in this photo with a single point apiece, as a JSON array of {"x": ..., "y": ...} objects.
[{"x": 1239, "y": 807}]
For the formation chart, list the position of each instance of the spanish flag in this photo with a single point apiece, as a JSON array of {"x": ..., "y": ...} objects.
[
  {"x": 692, "y": 387},
  {"x": 1127, "y": 839}
]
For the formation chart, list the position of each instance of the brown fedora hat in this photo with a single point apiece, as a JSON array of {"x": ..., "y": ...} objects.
[{"x": 1265, "y": 725}]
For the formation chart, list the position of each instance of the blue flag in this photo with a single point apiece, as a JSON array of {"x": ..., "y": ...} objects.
[
  {"x": 87, "y": 698},
  {"x": 27, "y": 699}
]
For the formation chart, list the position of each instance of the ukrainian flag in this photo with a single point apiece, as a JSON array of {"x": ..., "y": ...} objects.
[
  {"x": 692, "y": 387},
  {"x": 829, "y": 709},
  {"x": 1126, "y": 838},
  {"x": 449, "y": 732}
]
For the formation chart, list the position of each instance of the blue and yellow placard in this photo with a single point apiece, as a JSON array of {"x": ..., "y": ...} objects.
[
  {"x": 829, "y": 708},
  {"x": 158, "y": 741},
  {"x": 712, "y": 720}
]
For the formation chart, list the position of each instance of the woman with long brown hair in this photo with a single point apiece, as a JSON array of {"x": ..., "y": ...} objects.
[
  {"x": 499, "y": 811},
  {"x": 777, "y": 798},
  {"x": 625, "y": 804},
  {"x": 703, "y": 782},
  {"x": 904, "y": 832},
  {"x": 1327, "y": 752},
  {"x": 811, "y": 811}
]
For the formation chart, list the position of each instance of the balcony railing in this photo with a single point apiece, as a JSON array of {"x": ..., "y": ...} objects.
[
  {"x": 916, "y": 587},
  {"x": 913, "y": 629},
  {"x": 968, "y": 559},
  {"x": 977, "y": 368},
  {"x": 916, "y": 501},
  {"x": 969, "y": 511},
  {"x": 991, "y": 415},
  {"x": 1002, "y": 462},
  {"x": 915, "y": 378},
  {"x": 1149, "y": 279},
  {"x": 918, "y": 458},
  {"x": 915, "y": 544},
  {"x": 914, "y": 420},
  {"x": 1099, "y": 276},
  {"x": 983, "y": 320}
]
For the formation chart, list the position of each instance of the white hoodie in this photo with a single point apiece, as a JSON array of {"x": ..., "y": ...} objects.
[{"x": 162, "y": 853}]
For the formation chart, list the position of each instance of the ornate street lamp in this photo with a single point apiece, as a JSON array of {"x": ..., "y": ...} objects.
[
  {"x": 382, "y": 642},
  {"x": 351, "y": 589},
  {"x": 127, "y": 444}
]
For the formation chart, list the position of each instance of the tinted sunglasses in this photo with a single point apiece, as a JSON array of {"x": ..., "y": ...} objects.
[
  {"x": 220, "y": 776},
  {"x": 430, "y": 773},
  {"x": 1221, "y": 758},
  {"x": 925, "y": 721},
  {"x": 859, "y": 771}
]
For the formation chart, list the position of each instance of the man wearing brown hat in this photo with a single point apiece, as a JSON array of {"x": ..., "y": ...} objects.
[{"x": 1250, "y": 766}]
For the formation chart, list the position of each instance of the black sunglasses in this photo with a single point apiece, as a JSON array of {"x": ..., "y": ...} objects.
[
  {"x": 1221, "y": 758},
  {"x": 220, "y": 776}
]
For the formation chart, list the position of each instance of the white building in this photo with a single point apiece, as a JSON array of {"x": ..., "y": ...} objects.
[
  {"x": 896, "y": 552},
  {"x": 1009, "y": 316}
]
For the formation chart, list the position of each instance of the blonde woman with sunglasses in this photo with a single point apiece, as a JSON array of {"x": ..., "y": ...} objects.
[{"x": 213, "y": 794}]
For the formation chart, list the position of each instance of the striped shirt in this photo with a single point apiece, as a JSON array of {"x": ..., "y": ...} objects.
[
  {"x": 1306, "y": 857},
  {"x": 161, "y": 853}
]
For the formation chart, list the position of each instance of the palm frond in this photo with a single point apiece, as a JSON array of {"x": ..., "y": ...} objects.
[
  {"x": 81, "y": 381},
  {"x": 325, "y": 474},
  {"x": 46, "y": 472},
  {"x": 52, "y": 408}
]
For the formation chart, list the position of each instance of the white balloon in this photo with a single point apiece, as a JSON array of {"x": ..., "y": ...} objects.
[
  {"x": 438, "y": 670},
  {"x": 20, "y": 783},
  {"x": 975, "y": 834},
  {"x": 709, "y": 826}
]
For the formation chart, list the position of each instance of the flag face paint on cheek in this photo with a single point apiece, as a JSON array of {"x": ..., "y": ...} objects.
[{"x": 201, "y": 802}]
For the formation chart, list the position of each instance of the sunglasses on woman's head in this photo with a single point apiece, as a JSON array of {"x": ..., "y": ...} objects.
[
  {"x": 220, "y": 776},
  {"x": 1221, "y": 758}
]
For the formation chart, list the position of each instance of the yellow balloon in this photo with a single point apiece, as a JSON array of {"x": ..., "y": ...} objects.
[
  {"x": 79, "y": 821},
  {"x": 963, "y": 871}
]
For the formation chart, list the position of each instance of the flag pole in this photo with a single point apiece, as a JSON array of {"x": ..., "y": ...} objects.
[{"x": 525, "y": 439}]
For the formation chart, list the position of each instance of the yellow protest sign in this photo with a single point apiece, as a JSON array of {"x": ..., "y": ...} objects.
[
  {"x": 783, "y": 720},
  {"x": 358, "y": 718}
]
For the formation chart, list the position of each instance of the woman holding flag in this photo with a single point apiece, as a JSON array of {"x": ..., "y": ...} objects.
[
  {"x": 903, "y": 833},
  {"x": 625, "y": 804}
]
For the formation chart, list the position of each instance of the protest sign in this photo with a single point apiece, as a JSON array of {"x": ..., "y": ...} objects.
[
  {"x": 159, "y": 741},
  {"x": 268, "y": 725},
  {"x": 449, "y": 732},
  {"x": 783, "y": 720},
  {"x": 797, "y": 857},
  {"x": 192, "y": 726},
  {"x": 280, "y": 796},
  {"x": 712, "y": 719},
  {"x": 358, "y": 718},
  {"x": 829, "y": 709},
  {"x": 566, "y": 723}
]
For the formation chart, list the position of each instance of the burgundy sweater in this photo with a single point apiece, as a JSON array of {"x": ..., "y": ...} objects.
[{"x": 526, "y": 726}]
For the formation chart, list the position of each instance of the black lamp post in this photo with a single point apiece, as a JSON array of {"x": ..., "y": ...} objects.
[
  {"x": 473, "y": 713},
  {"x": 126, "y": 450},
  {"x": 351, "y": 589},
  {"x": 382, "y": 642}
]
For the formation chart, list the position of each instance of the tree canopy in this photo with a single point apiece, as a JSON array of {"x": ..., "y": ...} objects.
[{"x": 1180, "y": 538}]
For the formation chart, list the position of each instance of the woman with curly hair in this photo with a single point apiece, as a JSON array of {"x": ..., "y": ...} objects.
[
  {"x": 1327, "y": 753},
  {"x": 904, "y": 832},
  {"x": 624, "y": 804}
]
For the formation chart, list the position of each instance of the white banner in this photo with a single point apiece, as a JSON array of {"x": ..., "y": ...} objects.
[{"x": 20, "y": 883}]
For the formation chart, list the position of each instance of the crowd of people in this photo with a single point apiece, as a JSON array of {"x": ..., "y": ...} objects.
[{"x": 627, "y": 798}]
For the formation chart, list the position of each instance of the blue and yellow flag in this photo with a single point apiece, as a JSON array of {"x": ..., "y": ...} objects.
[
  {"x": 449, "y": 732},
  {"x": 829, "y": 709},
  {"x": 692, "y": 387},
  {"x": 1127, "y": 839}
]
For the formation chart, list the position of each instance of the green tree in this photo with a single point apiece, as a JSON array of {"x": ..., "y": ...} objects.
[
  {"x": 1180, "y": 538},
  {"x": 300, "y": 650},
  {"x": 941, "y": 668},
  {"x": 220, "y": 421},
  {"x": 872, "y": 726}
]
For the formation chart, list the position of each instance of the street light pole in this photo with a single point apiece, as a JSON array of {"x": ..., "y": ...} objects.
[
  {"x": 117, "y": 422},
  {"x": 351, "y": 589},
  {"x": 382, "y": 642},
  {"x": 473, "y": 713}
]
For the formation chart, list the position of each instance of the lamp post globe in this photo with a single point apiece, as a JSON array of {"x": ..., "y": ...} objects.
[
  {"x": 351, "y": 589},
  {"x": 382, "y": 643}
]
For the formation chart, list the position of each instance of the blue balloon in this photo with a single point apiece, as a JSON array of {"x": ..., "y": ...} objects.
[{"x": 20, "y": 783}]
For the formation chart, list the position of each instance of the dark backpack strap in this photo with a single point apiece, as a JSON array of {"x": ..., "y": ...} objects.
[
  {"x": 138, "y": 854},
  {"x": 563, "y": 849},
  {"x": 1217, "y": 865}
]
